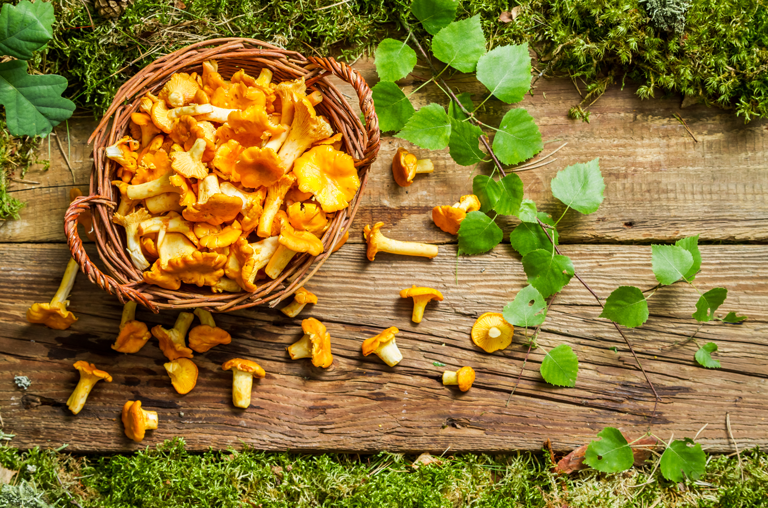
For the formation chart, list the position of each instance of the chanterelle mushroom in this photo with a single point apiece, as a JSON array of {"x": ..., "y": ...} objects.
[
  {"x": 384, "y": 346},
  {"x": 421, "y": 297},
  {"x": 133, "y": 334},
  {"x": 491, "y": 332},
  {"x": 172, "y": 341},
  {"x": 448, "y": 218},
  {"x": 464, "y": 377},
  {"x": 213, "y": 206},
  {"x": 328, "y": 174},
  {"x": 190, "y": 164},
  {"x": 136, "y": 420},
  {"x": 55, "y": 314},
  {"x": 89, "y": 376},
  {"x": 306, "y": 128},
  {"x": 206, "y": 335},
  {"x": 243, "y": 372},
  {"x": 315, "y": 344},
  {"x": 179, "y": 90},
  {"x": 131, "y": 224},
  {"x": 377, "y": 242},
  {"x": 405, "y": 166},
  {"x": 300, "y": 299},
  {"x": 183, "y": 374}
]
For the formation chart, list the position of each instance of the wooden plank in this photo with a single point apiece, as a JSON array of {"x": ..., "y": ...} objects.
[
  {"x": 360, "y": 405},
  {"x": 660, "y": 184}
]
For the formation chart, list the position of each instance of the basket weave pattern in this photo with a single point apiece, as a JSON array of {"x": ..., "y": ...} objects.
[{"x": 124, "y": 280}]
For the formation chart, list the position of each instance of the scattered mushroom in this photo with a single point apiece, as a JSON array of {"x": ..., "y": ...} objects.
[
  {"x": 491, "y": 332},
  {"x": 172, "y": 341},
  {"x": 136, "y": 421},
  {"x": 384, "y": 346},
  {"x": 448, "y": 218},
  {"x": 421, "y": 297},
  {"x": 133, "y": 334},
  {"x": 377, "y": 242},
  {"x": 300, "y": 299},
  {"x": 206, "y": 335},
  {"x": 405, "y": 166},
  {"x": 89, "y": 376},
  {"x": 55, "y": 314},
  {"x": 315, "y": 344},
  {"x": 464, "y": 377},
  {"x": 183, "y": 374},
  {"x": 243, "y": 372}
]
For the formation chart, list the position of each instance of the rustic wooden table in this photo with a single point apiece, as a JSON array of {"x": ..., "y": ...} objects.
[{"x": 660, "y": 186}]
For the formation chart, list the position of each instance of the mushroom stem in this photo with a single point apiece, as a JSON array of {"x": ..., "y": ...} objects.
[
  {"x": 419, "y": 304},
  {"x": 183, "y": 322},
  {"x": 450, "y": 378},
  {"x": 242, "y": 384},
  {"x": 150, "y": 419},
  {"x": 129, "y": 313},
  {"x": 205, "y": 317},
  {"x": 265, "y": 78},
  {"x": 160, "y": 185},
  {"x": 67, "y": 282},
  {"x": 494, "y": 333},
  {"x": 424, "y": 166},
  {"x": 279, "y": 261},
  {"x": 209, "y": 186},
  {"x": 301, "y": 348},
  {"x": 407, "y": 248},
  {"x": 389, "y": 353},
  {"x": 294, "y": 308},
  {"x": 77, "y": 400}
]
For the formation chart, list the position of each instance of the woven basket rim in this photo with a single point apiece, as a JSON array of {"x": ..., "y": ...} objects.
[{"x": 362, "y": 142}]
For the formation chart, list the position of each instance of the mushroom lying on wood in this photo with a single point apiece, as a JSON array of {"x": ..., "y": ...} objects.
[
  {"x": 172, "y": 341},
  {"x": 464, "y": 377},
  {"x": 421, "y": 297},
  {"x": 55, "y": 314},
  {"x": 377, "y": 242},
  {"x": 133, "y": 334},
  {"x": 243, "y": 372},
  {"x": 384, "y": 346},
  {"x": 315, "y": 344},
  {"x": 183, "y": 373},
  {"x": 448, "y": 218},
  {"x": 405, "y": 166},
  {"x": 137, "y": 421},
  {"x": 300, "y": 299},
  {"x": 206, "y": 335},
  {"x": 491, "y": 332},
  {"x": 89, "y": 376}
]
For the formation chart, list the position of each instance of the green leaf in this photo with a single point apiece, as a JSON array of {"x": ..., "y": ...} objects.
[
  {"x": 560, "y": 366},
  {"x": 434, "y": 14},
  {"x": 478, "y": 234},
  {"x": 25, "y": 28},
  {"x": 527, "y": 212},
  {"x": 527, "y": 309},
  {"x": 691, "y": 244},
  {"x": 670, "y": 263},
  {"x": 506, "y": 72},
  {"x": 626, "y": 306},
  {"x": 528, "y": 236},
  {"x": 394, "y": 60},
  {"x": 460, "y": 44},
  {"x": 580, "y": 186},
  {"x": 733, "y": 319},
  {"x": 611, "y": 454},
  {"x": 392, "y": 106},
  {"x": 518, "y": 137},
  {"x": 504, "y": 195},
  {"x": 486, "y": 190},
  {"x": 704, "y": 356},
  {"x": 464, "y": 143},
  {"x": 708, "y": 304},
  {"x": 682, "y": 459},
  {"x": 547, "y": 272},
  {"x": 33, "y": 104},
  {"x": 438, "y": 364},
  {"x": 428, "y": 128},
  {"x": 466, "y": 100}
]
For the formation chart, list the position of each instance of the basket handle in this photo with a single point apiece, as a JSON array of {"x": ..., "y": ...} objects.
[
  {"x": 364, "y": 95},
  {"x": 80, "y": 205}
]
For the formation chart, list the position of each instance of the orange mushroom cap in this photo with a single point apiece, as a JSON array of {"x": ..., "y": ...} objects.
[
  {"x": 89, "y": 376},
  {"x": 301, "y": 298},
  {"x": 199, "y": 268},
  {"x": 334, "y": 141},
  {"x": 372, "y": 344},
  {"x": 207, "y": 335},
  {"x": 133, "y": 335},
  {"x": 160, "y": 117},
  {"x": 491, "y": 332},
  {"x": 213, "y": 206},
  {"x": 328, "y": 174},
  {"x": 421, "y": 296},
  {"x": 405, "y": 166},
  {"x": 307, "y": 217},
  {"x": 238, "y": 95},
  {"x": 258, "y": 167},
  {"x": 190, "y": 164},
  {"x": 223, "y": 238},
  {"x": 211, "y": 78},
  {"x": 306, "y": 128},
  {"x": 137, "y": 421},
  {"x": 90, "y": 369},
  {"x": 316, "y": 343},
  {"x": 244, "y": 366},
  {"x": 183, "y": 373},
  {"x": 466, "y": 377},
  {"x": 448, "y": 218},
  {"x": 300, "y": 241},
  {"x": 55, "y": 314},
  {"x": 250, "y": 127},
  {"x": 179, "y": 91}
]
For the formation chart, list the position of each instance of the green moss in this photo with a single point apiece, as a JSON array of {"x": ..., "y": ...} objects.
[{"x": 17, "y": 154}]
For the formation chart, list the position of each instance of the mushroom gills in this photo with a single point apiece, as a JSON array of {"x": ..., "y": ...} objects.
[{"x": 301, "y": 349}]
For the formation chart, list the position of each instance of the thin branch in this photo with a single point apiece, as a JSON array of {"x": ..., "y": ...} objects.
[
  {"x": 730, "y": 434},
  {"x": 71, "y": 499},
  {"x": 682, "y": 122},
  {"x": 64, "y": 154}
]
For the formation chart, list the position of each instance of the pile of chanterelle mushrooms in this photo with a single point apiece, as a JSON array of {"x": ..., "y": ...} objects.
[{"x": 211, "y": 163}]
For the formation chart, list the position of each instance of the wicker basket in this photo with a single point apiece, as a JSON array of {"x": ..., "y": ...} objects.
[{"x": 362, "y": 142}]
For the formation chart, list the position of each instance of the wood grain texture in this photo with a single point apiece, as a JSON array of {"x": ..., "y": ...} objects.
[
  {"x": 660, "y": 184},
  {"x": 361, "y": 405}
]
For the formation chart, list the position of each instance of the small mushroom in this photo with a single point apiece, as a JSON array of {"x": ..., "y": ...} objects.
[
  {"x": 300, "y": 298},
  {"x": 448, "y": 218},
  {"x": 243, "y": 372},
  {"x": 377, "y": 242},
  {"x": 172, "y": 341},
  {"x": 305, "y": 129},
  {"x": 190, "y": 164},
  {"x": 405, "y": 166},
  {"x": 55, "y": 314},
  {"x": 137, "y": 421},
  {"x": 89, "y": 376},
  {"x": 384, "y": 346},
  {"x": 183, "y": 373},
  {"x": 421, "y": 297},
  {"x": 275, "y": 196},
  {"x": 131, "y": 224},
  {"x": 179, "y": 90},
  {"x": 291, "y": 243},
  {"x": 330, "y": 175},
  {"x": 206, "y": 335},
  {"x": 213, "y": 206},
  {"x": 133, "y": 334},
  {"x": 464, "y": 377},
  {"x": 491, "y": 332},
  {"x": 315, "y": 344}
]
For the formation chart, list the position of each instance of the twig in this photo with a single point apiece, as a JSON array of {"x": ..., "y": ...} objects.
[
  {"x": 64, "y": 154},
  {"x": 574, "y": 84},
  {"x": 28, "y": 182},
  {"x": 682, "y": 122},
  {"x": 730, "y": 434},
  {"x": 553, "y": 152},
  {"x": 700, "y": 431},
  {"x": 71, "y": 499},
  {"x": 89, "y": 15},
  {"x": 332, "y": 5}
]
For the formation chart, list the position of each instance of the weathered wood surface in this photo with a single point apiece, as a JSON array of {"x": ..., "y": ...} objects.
[
  {"x": 660, "y": 184},
  {"x": 362, "y": 405}
]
